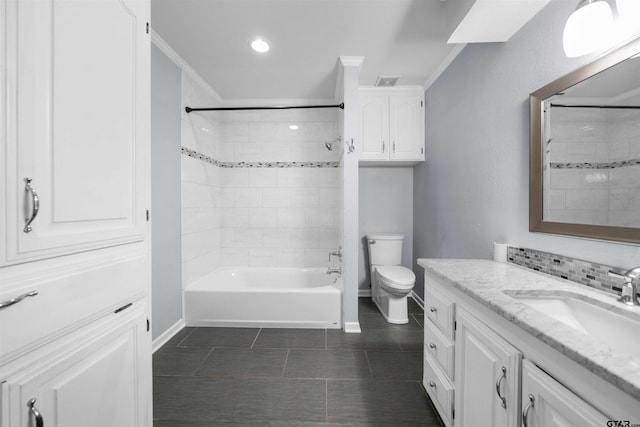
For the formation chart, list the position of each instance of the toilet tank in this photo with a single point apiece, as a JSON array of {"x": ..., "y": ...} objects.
[{"x": 385, "y": 248}]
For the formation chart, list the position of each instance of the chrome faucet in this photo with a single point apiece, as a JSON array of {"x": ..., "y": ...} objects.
[{"x": 629, "y": 294}]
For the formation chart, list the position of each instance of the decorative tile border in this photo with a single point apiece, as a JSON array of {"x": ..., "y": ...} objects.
[
  {"x": 584, "y": 272},
  {"x": 194, "y": 154},
  {"x": 608, "y": 165}
]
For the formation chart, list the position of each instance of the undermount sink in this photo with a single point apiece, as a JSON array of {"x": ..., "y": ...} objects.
[{"x": 621, "y": 331}]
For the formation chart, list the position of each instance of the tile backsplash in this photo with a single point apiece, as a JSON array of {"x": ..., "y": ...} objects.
[{"x": 584, "y": 272}]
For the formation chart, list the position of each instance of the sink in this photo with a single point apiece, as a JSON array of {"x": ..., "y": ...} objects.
[{"x": 604, "y": 322}]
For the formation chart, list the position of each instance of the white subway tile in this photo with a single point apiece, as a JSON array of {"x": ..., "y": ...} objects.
[
  {"x": 276, "y": 238},
  {"x": 276, "y": 198},
  {"x": 263, "y": 177},
  {"x": 291, "y": 217},
  {"x": 291, "y": 178},
  {"x": 262, "y": 257},
  {"x": 235, "y": 257},
  {"x": 263, "y": 218},
  {"x": 235, "y": 217},
  {"x": 291, "y": 258},
  {"x": 248, "y": 197},
  {"x": 235, "y": 177}
]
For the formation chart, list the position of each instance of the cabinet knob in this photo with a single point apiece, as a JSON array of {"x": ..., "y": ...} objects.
[
  {"x": 432, "y": 384},
  {"x": 432, "y": 346},
  {"x": 433, "y": 309}
]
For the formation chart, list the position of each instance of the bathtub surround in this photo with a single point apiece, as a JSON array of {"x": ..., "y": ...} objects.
[{"x": 473, "y": 189}]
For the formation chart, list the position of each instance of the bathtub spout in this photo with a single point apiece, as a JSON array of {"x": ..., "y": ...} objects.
[{"x": 334, "y": 270}]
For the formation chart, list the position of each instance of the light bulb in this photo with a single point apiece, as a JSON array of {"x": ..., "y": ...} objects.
[
  {"x": 588, "y": 29},
  {"x": 260, "y": 46}
]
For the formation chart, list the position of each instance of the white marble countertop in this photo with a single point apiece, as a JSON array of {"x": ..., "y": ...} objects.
[{"x": 486, "y": 282}]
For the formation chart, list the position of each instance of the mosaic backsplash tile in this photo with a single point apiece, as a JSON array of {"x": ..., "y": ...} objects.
[
  {"x": 192, "y": 153},
  {"x": 600, "y": 165},
  {"x": 584, "y": 272}
]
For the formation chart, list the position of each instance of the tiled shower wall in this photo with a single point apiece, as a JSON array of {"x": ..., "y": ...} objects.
[
  {"x": 594, "y": 167},
  {"x": 259, "y": 188},
  {"x": 201, "y": 187},
  {"x": 280, "y": 215}
]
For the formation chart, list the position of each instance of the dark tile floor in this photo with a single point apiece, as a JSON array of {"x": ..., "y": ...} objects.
[{"x": 295, "y": 377}]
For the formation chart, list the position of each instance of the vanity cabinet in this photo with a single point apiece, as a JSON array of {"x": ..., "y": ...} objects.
[
  {"x": 497, "y": 366},
  {"x": 487, "y": 381},
  {"x": 391, "y": 126},
  {"x": 546, "y": 403}
]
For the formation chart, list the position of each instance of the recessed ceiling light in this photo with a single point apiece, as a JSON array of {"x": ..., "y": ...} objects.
[
  {"x": 259, "y": 45},
  {"x": 293, "y": 127}
]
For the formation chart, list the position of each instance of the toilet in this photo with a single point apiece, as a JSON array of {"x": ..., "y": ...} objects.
[{"x": 391, "y": 283}]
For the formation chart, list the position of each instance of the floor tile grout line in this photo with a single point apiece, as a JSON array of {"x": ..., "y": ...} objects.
[
  {"x": 255, "y": 339},
  {"x": 284, "y": 367},
  {"x": 193, "y": 374}
]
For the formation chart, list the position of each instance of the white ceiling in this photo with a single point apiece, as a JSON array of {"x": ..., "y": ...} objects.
[{"x": 395, "y": 37}]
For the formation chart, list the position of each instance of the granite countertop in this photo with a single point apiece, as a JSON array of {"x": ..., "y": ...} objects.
[{"x": 490, "y": 283}]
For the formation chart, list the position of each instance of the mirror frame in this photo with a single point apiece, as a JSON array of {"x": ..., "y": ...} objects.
[{"x": 536, "y": 145}]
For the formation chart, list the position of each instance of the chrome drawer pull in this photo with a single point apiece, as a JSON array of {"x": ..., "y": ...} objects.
[
  {"x": 5, "y": 304},
  {"x": 36, "y": 414},
  {"x": 502, "y": 377},
  {"x": 525, "y": 413},
  {"x": 35, "y": 203}
]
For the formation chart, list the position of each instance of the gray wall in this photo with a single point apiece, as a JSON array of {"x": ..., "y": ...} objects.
[
  {"x": 385, "y": 205},
  {"x": 166, "y": 273},
  {"x": 473, "y": 188}
]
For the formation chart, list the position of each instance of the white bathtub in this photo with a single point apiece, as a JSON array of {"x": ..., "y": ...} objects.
[{"x": 265, "y": 297}]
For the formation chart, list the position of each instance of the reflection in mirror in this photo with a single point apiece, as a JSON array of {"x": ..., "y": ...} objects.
[{"x": 585, "y": 150}]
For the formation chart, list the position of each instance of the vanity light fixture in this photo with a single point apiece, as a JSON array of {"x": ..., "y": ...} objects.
[
  {"x": 588, "y": 29},
  {"x": 260, "y": 45}
]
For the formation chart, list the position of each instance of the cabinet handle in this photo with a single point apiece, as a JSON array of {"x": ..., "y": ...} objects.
[
  {"x": 36, "y": 414},
  {"x": 394, "y": 146},
  {"x": 525, "y": 413},
  {"x": 502, "y": 377},
  {"x": 432, "y": 346},
  {"x": 383, "y": 146},
  {"x": 433, "y": 309},
  {"x": 35, "y": 205},
  {"x": 5, "y": 304},
  {"x": 432, "y": 384}
]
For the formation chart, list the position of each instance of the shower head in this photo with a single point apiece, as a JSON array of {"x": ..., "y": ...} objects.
[{"x": 329, "y": 144}]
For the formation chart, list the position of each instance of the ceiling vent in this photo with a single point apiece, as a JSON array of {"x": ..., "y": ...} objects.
[{"x": 387, "y": 81}]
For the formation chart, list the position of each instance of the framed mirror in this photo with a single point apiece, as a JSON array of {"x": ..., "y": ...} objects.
[{"x": 584, "y": 150}]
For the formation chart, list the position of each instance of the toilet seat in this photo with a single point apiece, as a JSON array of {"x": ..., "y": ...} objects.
[{"x": 396, "y": 279}]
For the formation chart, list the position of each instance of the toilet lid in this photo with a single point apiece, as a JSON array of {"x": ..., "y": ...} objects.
[{"x": 397, "y": 274}]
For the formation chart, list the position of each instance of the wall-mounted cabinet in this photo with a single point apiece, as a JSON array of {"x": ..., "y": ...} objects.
[{"x": 391, "y": 126}]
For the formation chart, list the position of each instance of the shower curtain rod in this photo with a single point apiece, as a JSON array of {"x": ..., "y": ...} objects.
[
  {"x": 621, "y": 107},
  {"x": 189, "y": 109}
]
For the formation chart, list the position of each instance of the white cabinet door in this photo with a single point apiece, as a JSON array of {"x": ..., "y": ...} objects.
[
  {"x": 374, "y": 125},
  {"x": 100, "y": 378},
  {"x": 547, "y": 403},
  {"x": 405, "y": 117},
  {"x": 487, "y": 373},
  {"x": 77, "y": 91}
]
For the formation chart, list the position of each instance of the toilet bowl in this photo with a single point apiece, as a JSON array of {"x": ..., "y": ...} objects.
[{"x": 391, "y": 283}]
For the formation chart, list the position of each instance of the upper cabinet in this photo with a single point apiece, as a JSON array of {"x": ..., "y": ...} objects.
[
  {"x": 391, "y": 126},
  {"x": 76, "y": 112}
]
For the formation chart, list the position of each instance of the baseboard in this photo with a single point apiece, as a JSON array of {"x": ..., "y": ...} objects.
[
  {"x": 352, "y": 327},
  {"x": 167, "y": 335},
  {"x": 363, "y": 293},
  {"x": 417, "y": 299}
]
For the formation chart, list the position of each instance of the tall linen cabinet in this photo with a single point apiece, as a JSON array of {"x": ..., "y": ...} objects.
[{"x": 75, "y": 345}]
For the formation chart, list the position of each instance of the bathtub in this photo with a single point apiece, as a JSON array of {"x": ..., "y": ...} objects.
[{"x": 265, "y": 297}]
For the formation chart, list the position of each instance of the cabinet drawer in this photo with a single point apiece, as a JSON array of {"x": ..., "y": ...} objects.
[
  {"x": 439, "y": 389},
  {"x": 439, "y": 309},
  {"x": 65, "y": 301},
  {"x": 439, "y": 347}
]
